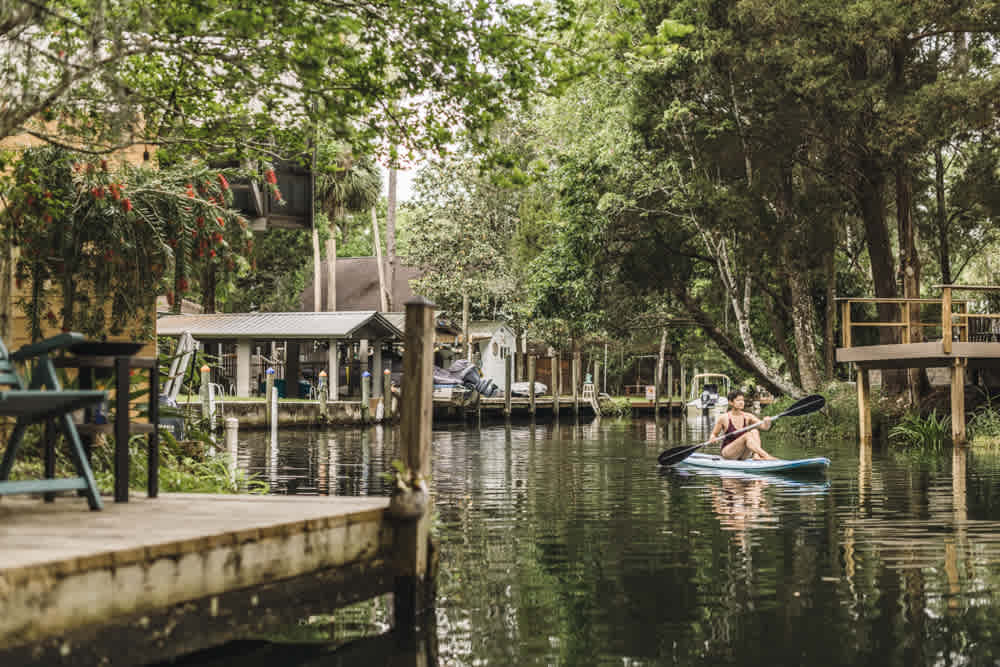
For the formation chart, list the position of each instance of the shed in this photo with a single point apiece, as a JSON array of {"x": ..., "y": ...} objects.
[{"x": 493, "y": 342}]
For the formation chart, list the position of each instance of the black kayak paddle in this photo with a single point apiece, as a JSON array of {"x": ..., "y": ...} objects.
[{"x": 803, "y": 406}]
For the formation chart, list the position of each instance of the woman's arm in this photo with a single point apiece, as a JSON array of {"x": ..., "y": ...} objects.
[
  {"x": 717, "y": 428},
  {"x": 765, "y": 422}
]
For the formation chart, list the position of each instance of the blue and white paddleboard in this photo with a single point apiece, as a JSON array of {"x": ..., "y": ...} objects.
[{"x": 750, "y": 465}]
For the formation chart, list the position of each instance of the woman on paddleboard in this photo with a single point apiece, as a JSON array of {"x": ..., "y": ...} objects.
[{"x": 746, "y": 445}]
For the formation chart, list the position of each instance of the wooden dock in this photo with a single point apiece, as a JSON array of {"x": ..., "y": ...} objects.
[
  {"x": 154, "y": 578},
  {"x": 149, "y": 565},
  {"x": 958, "y": 341}
]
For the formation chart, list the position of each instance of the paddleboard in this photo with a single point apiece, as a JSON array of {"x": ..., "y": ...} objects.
[{"x": 750, "y": 465}]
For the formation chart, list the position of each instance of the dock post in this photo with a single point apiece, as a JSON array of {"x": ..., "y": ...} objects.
[
  {"x": 232, "y": 445},
  {"x": 366, "y": 379},
  {"x": 206, "y": 396},
  {"x": 508, "y": 372},
  {"x": 531, "y": 384},
  {"x": 321, "y": 395},
  {"x": 958, "y": 402},
  {"x": 575, "y": 375},
  {"x": 268, "y": 385},
  {"x": 864, "y": 407},
  {"x": 556, "y": 371},
  {"x": 413, "y": 585},
  {"x": 387, "y": 394}
]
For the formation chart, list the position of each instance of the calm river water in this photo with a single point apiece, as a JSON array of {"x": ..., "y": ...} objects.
[{"x": 566, "y": 545}]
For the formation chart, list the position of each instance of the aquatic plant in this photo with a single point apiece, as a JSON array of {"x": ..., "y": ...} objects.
[
  {"x": 984, "y": 425},
  {"x": 619, "y": 406},
  {"x": 928, "y": 433}
]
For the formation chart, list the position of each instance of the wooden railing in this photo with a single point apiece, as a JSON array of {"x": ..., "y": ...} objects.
[{"x": 955, "y": 321}]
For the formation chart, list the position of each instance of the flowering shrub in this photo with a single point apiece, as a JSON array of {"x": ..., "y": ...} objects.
[{"x": 92, "y": 235}]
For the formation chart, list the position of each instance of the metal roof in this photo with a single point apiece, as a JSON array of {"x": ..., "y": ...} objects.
[{"x": 311, "y": 326}]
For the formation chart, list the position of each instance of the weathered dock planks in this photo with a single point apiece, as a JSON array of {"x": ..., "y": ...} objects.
[{"x": 63, "y": 568}]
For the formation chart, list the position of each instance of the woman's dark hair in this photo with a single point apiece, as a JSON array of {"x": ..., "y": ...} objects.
[{"x": 731, "y": 396}]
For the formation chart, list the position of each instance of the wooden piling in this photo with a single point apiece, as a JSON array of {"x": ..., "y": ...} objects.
[
  {"x": 575, "y": 377},
  {"x": 366, "y": 379},
  {"x": 508, "y": 371},
  {"x": 387, "y": 394},
  {"x": 864, "y": 407},
  {"x": 555, "y": 385},
  {"x": 958, "y": 401},
  {"x": 413, "y": 587},
  {"x": 670, "y": 388},
  {"x": 531, "y": 384}
]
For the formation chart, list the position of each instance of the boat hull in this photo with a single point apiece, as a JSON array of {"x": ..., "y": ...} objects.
[{"x": 818, "y": 464}]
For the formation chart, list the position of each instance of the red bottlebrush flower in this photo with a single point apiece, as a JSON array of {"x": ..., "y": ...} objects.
[
  {"x": 182, "y": 284},
  {"x": 218, "y": 237},
  {"x": 211, "y": 253},
  {"x": 127, "y": 205},
  {"x": 194, "y": 233},
  {"x": 277, "y": 194},
  {"x": 115, "y": 194},
  {"x": 201, "y": 222},
  {"x": 222, "y": 223},
  {"x": 31, "y": 200},
  {"x": 98, "y": 192},
  {"x": 271, "y": 178},
  {"x": 90, "y": 167},
  {"x": 223, "y": 182},
  {"x": 201, "y": 252}
]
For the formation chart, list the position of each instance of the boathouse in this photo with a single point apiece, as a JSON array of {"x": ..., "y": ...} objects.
[{"x": 249, "y": 339}]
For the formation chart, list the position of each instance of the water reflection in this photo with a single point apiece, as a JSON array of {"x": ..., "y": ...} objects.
[{"x": 565, "y": 544}]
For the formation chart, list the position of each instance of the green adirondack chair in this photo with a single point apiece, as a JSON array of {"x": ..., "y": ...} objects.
[{"x": 31, "y": 404}]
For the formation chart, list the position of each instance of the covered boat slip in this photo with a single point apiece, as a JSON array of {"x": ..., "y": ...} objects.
[
  {"x": 368, "y": 328},
  {"x": 920, "y": 333}
]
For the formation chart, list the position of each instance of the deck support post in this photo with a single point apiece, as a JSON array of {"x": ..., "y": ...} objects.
[
  {"x": 864, "y": 407},
  {"x": 413, "y": 587},
  {"x": 531, "y": 384},
  {"x": 958, "y": 401},
  {"x": 670, "y": 388}
]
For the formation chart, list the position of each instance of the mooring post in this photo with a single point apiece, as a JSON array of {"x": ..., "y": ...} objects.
[
  {"x": 387, "y": 394},
  {"x": 508, "y": 372},
  {"x": 413, "y": 586},
  {"x": 670, "y": 389},
  {"x": 531, "y": 384},
  {"x": 321, "y": 395},
  {"x": 366, "y": 379},
  {"x": 556, "y": 368},
  {"x": 864, "y": 407},
  {"x": 268, "y": 385},
  {"x": 206, "y": 398},
  {"x": 958, "y": 402},
  {"x": 232, "y": 445},
  {"x": 575, "y": 375}
]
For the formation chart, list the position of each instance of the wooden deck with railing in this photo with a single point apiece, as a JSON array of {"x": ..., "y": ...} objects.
[{"x": 922, "y": 333}]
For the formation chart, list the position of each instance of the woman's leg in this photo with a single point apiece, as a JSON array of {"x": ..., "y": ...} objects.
[{"x": 744, "y": 447}]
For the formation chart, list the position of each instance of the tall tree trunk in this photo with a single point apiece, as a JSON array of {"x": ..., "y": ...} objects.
[
  {"x": 317, "y": 273},
  {"x": 871, "y": 205},
  {"x": 779, "y": 328},
  {"x": 941, "y": 217},
  {"x": 909, "y": 263},
  {"x": 465, "y": 325},
  {"x": 803, "y": 329},
  {"x": 331, "y": 270},
  {"x": 208, "y": 290},
  {"x": 658, "y": 381},
  {"x": 390, "y": 238},
  {"x": 830, "y": 314},
  {"x": 383, "y": 300}
]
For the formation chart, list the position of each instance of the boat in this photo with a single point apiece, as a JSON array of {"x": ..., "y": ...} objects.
[
  {"x": 708, "y": 394},
  {"x": 523, "y": 389},
  {"x": 817, "y": 464}
]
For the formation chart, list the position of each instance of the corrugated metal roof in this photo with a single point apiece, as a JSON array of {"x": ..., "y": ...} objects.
[{"x": 359, "y": 324}]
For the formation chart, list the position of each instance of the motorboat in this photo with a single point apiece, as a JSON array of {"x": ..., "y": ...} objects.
[{"x": 708, "y": 394}]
